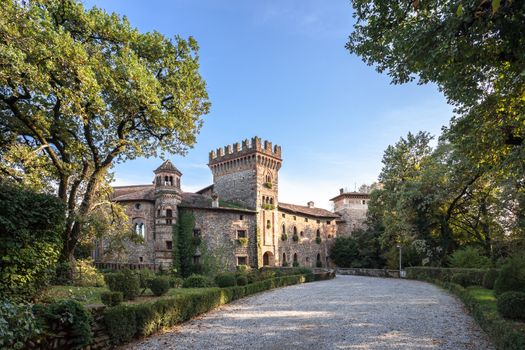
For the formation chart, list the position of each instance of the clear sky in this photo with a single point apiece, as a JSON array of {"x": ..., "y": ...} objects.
[{"x": 278, "y": 69}]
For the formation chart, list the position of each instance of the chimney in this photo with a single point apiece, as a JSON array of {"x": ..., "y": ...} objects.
[
  {"x": 341, "y": 191},
  {"x": 310, "y": 204},
  {"x": 214, "y": 200}
]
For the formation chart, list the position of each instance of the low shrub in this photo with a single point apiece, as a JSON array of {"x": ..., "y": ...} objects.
[
  {"x": 295, "y": 237},
  {"x": 511, "y": 276},
  {"x": 86, "y": 275},
  {"x": 159, "y": 285},
  {"x": 144, "y": 277},
  {"x": 284, "y": 237},
  {"x": 126, "y": 282},
  {"x": 490, "y": 278},
  {"x": 512, "y": 305},
  {"x": 72, "y": 318},
  {"x": 242, "y": 280},
  {"x": 444, "y": 274},
  {"x": 121, "y": 323},
  {"x": 175, "y": 282},
  {"x": 197, "y": 281},
  {"x": 468, "y": 257},
  {"x": 463, "y": 279},
  {"x": 295, "y": 264},
  {"x": 111, "y": 298},
  {"x": 18, "y": 325},
  {"x": 225, "y": 280},
  {"x": 307, "y": 273}
]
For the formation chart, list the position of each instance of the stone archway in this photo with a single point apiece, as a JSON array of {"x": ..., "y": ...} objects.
[{"x": 268, "y": 259}]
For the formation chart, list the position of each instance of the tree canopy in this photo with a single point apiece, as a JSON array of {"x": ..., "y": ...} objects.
[{"x": 82, "y": 90}]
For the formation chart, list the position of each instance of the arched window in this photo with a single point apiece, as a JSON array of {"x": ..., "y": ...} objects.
[
  {"x": 268, "y": 224},
  {"x": 271, "y": 200},
  {"x": 284, "y": 229},
  {"x": 295, "y": 257},
  {"x": 169, "y": 215},
  {"x": 142, "y": 230},
  {"x": 318, "y": 256},
  {"x": 295, "y": 230},
  {"x": 139, "y": 227},
  {"x": 302, "y": 234},
  {"x": 284, "y": 258},
  {"x": 318, "y": 233}
]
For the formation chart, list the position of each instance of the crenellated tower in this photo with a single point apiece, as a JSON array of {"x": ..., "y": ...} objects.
[
  {"x": 247, "y": 173},
  {"x": 168, "y": 196}
]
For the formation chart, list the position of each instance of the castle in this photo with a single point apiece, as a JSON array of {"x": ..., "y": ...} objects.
[{"x": 239, "y": 214}]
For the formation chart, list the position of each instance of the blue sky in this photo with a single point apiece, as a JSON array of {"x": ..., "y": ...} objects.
[{"x": 278, "y": 69}]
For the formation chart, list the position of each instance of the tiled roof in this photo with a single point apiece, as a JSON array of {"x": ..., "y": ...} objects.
[
  {"x": 315, "y": 212},
  {"x": 134, "y": 193},
  {"x": 167, "y": 166},
  {"x": 359, "y": 195}
]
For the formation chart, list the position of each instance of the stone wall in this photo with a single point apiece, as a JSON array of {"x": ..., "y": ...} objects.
[
  {"x": 219, "y": 229},
  {"x": 306, "y": 248},
  {"x": 237, "y": 186}
]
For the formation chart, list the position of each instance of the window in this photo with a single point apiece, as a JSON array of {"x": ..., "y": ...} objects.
[
  {"x": 158, "y": 212},
  {"x": 141, "y": 259},
  {"x": 318, "y": 257},
  {"x": 328, "y": 222},
  {"x": 137, "y": 205},
  {"x": 318, "y": 221},
  {"x": 295, "y": 257},
  {"x": 364, "y": 202},
  {"x": 284, "y": 258},
  {"x": 196, "y": 260},
  {"x": 284, "y": 215},
  {"x": 284, "y": 229},
  {"x": 295, "y": 231},
  {"x": 169, "y": 221},
  {"x": 241, "y": 217},
  {"x": 295, "y": 218},
  {"x": 139, "y": 228},
  {"x": 169, "y": 213},
  {"x": 169, "y": 245},
  {"x": 305, "y": 219},
  {"x": 307, "y": 259},
  {"x": 302, "y": 234},
  {"x": 242, "y": 260},
  {"x": 197, "y": 233},
  {"x": 318, "y": 235},
  {"x": 241, "y": 234},
  {"x": 268, "y": 224}
]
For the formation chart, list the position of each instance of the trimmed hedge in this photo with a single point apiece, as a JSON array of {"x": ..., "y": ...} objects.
[
  {"x": 111, "y": 298},
  {"x": 490, "y": 278},
  {"x": 125, "y": 322},
  {"x": 512, "y": 276},
  {"x": 197, "y": 281},
  {"x": 469, "y": 276},
  {"x": 159, "y": 285},
  {"x": 225, "y": 280},
  {"x": 512, "y": 305},
  {"x": 125, "y": 281}
]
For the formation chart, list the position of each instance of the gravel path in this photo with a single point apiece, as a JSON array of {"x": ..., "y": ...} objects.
[{"x": 350, "y": 312}]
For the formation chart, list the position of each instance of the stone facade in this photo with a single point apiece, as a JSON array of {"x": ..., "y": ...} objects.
[
  {"x": 238, "y": 217},
  {"x": 352, "y": 207}
]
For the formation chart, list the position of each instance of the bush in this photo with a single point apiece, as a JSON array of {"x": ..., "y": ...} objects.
[
  {"x": 318, "y": 240},
  {"x": 225, "y": 280},
  {"x": 242, "y": 280},
  {"x": 197, "y": 281},
  {"x": 159, "y": 285},
  {"x": 242, "y": 241},
  {"x": 490, "y": 278},
  {"x": 126, "y": 282},
  {"x": 144, "y": 277},
  {"x": 511, "y": 276},
  {"x": 111, "y": 298},
  {"x": 295, "y": 237},
  {"x": 295, "y": 264},
  {"x": 307, "y": 273},
  {"x": 284, "y": 237},
  {"x": 30, "y": 242},
  {"x": 463, "y": 279},
  {"x": 18, "y": 325},
  {"x": 512, "y": 305},
  {"x": 86, "y": 275},
  {"x": 73, "y": 318},
  {"x": 121, "y": 323},
  {"x": 175, "y": 282},
  {"x": 468, "y": 257},
  {"x": 444, "y": 274}
]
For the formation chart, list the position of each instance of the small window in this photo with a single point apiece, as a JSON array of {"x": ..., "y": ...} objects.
[
  {"x": 137, "y": 205},
  {"x": 295, "y": 218},
  {"x": 284, "y": 229},
  {"x": 158, "y": 212},
  {"x": 318, "y": 221},
  {"x": 241, "y": 234},
  {"x": 197, "y": 233},
  {"x": 305, "y": 219},
  {"x": 318, "y": 234},
  {"x": 268, "y": 224},
  {"x": 302, "y": 234},
  {"x": 328, "y": 222},
  {"x": 307, "y": 259},
  {"x": 169, "y": 221},
  {"x": 364, "y": 202},
  {"x": 141, "y": 259},
  {"x": 329, "y": 236},
  {"x": 241, "y": 217},
  {"x": 242, "y": 260},
  {"x": 284, "y": 215},
  {"x": 169, "y": 213},
  {"x": 169, "y": 245},
  {"x": 196, "y": 260}
]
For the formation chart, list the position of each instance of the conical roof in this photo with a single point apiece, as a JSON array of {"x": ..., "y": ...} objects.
[{"x": 167, "y": 167}]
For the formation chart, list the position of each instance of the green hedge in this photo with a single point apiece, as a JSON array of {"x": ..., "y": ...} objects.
[
  {"x": 472, "y": 277},
  {"x": 126, "y": 322}
]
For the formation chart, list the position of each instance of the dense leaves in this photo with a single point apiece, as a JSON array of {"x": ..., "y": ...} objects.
[
  {"x": 82, "y": 90},
  {"x": 30, "y": 230}
]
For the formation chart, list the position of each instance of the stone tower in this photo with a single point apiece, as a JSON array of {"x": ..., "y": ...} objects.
[
  {"x": 168, "y": 196},
  {"x": 248, "y": 174}
]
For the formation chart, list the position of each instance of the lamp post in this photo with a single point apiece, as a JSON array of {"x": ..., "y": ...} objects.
[{"x": 400, "y": 257}]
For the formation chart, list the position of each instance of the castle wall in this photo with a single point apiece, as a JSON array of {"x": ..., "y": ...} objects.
[
  {"x": 306, "y": 247},
  {"x": 219, "y": 231},
  {"x": 238, "y": 187},
  {"x": 353, "y": 212}
]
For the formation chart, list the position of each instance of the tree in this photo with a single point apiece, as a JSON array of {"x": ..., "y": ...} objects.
[
  {"x": 82, "y": 90},
  {"x": 30, "y": 240}
]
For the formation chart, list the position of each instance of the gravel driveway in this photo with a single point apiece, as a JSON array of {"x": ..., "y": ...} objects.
[{"x": 350, "y": 312}]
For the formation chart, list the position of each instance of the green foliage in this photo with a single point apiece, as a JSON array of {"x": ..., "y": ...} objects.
[
  {"x": 18, "y": 325},
  {"x": 242, "y": 280},
  {"x": 267, "y": 206},
  {"x": 111, "y": 298},
  {"x": 86, "y": 275},
  {"x": 159, "y": 285},
  {"x": 121, "y": 323},
  {"x": 144, "y": 277},
  {"x": 295, "y": 264},
  {"x": 471, "y": 276},
  {"x": 185, "y": 244},
  {"x": 30, "y": 241},
  {"x": 125, "y": 281},
  {"x": 295, "y": 237},
  {"x": 344, "y": 251},
  {"x": 490, "y": 278},
  {"x": 242, "y": 241},
  {"x": 73, "y": 318},
  {"x": 175, "y": 282},
  {"x": 468, "y": 257},
  {"x": 66, "y": 114},
  {"x": 465, "y": 279},
  {"x": 512, "y": 305},
  {"x": 197, "y": 281},
  {"x": 268, "y": 185},
  {"x": 318, "y": 240},
  {"x": 284, "y": 237},
  {"x": 512, "y": 276},
  {"x": 225, "y": 280}
]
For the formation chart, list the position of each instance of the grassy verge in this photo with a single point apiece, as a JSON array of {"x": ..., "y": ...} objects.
[{"x": 481, "y": 302}]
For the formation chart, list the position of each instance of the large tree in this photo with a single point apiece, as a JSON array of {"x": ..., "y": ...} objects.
[{"x": 81, "y": 90}]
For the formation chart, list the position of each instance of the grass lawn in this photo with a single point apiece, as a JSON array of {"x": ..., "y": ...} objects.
[{"x": 485, "y": 297}]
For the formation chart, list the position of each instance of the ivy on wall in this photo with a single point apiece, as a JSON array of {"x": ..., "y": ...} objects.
[{"x": 184, "y": 246}]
